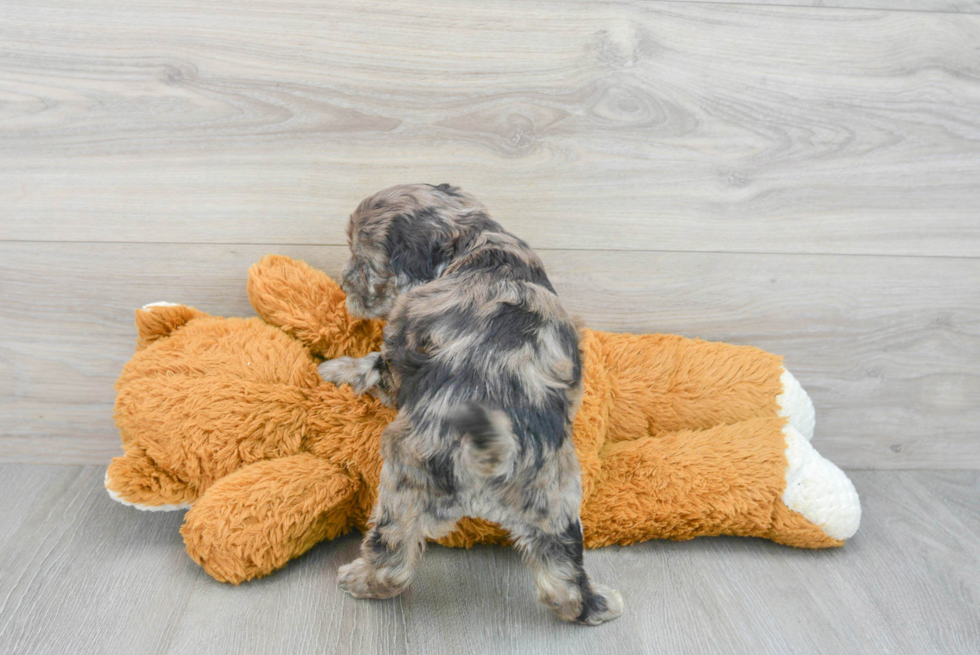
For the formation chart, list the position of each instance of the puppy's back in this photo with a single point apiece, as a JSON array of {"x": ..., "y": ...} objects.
[{"x": 491, "y": 330}]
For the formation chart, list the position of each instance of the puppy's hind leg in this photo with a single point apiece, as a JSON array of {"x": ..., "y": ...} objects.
[
  {"x": 393, "y": 547},
  {"x": 563, "y": 585}
]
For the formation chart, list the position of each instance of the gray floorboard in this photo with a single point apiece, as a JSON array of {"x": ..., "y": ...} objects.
[
  {"x": 82, "y": 574},
  {"x": 801, "y": 177}
]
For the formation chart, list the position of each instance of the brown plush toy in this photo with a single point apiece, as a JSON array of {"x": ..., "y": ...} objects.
[{"x": 677, "y": 438}]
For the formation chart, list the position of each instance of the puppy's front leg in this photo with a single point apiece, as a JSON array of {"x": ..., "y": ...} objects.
[{"x": 365, "y": 374}]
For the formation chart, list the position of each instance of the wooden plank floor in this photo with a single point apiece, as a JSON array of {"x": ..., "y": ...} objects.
[
  {"x": 800, "y": 175},
  {"x": 950, "y": 6},
  {"x": 800, "y": 178},
  {"x": 82, "y": 574}
]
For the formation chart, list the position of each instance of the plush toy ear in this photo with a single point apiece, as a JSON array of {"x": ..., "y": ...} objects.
[
  {"x": 160, "y": 319},
  {"x": 309, "y": 306}
]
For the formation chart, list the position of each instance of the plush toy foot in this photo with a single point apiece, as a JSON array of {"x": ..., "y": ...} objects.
[
  {"x": 795, "y": 405},
  {"x": 607, "y": 606},
  {"x": 116, "y": 496},
  {"x": 819, "y": 490},
  {"x": 361, "y": 580}
]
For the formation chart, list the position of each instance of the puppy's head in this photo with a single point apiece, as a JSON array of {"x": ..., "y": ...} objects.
[{"x": 402, "y": 237}]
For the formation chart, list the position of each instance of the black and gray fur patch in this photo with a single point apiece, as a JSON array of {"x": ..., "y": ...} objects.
[{"x": 484, "y": 366}]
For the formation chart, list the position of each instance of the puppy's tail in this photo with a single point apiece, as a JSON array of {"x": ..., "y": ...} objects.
[{"x": 489, "y": 442}]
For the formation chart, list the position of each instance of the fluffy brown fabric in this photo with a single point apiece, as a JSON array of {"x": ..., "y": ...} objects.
[{"x": 677, "y": 438}]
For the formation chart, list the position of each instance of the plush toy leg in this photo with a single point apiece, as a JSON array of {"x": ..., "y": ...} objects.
[
  {"x": 662, "y": 383},
  {"x": 730, "y": 479},
  {"x": 817, "y": 490},
  {"x": 795, "y": 405},
  {"x": 255, "y": 520},
  {"x": 135, "y": 480}
]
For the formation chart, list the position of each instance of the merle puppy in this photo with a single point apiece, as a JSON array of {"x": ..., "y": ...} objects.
[{"x": 483, "y": 365}]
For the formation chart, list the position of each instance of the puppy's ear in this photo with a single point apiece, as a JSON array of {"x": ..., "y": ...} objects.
[
  {"x": 448, "y": 189},
  {"x": 418, "y": 248}
]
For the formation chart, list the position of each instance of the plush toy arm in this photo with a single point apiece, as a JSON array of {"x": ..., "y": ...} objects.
[
  {"x": 308, "y": 305},
  {"x": 255, "y": 520},
  {"x": 730, "y": 479},
  {"x": 134, "y": 479}
]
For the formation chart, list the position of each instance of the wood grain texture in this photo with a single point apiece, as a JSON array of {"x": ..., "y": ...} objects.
[
  {"x": 91, "y": 576},
  {"x": 612, "y": 125},
  {"x": 946, "y": 6},
  {"x": 887, "y": 346},
  {"x": 80, "y": 577}
]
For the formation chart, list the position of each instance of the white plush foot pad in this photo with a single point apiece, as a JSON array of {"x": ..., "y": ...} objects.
[
  {"x": 819, "y": 490},
  {"x": 795, "y": 405},
  {"x": 144, "y": 508}
]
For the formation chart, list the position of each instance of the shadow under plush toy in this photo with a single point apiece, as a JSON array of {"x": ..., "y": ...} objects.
[{"x": 677, "y": 438}]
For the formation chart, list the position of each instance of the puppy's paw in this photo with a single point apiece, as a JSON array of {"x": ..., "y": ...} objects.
[
  {"x": 605, "y": 605},
  {"x": 360, "y": 373},
  {"x": 361, "y": 580},
  {"x": 342, "y": 370}
]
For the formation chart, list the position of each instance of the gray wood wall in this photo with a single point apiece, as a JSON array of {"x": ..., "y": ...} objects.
[{"x": 802, "y": 178}]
